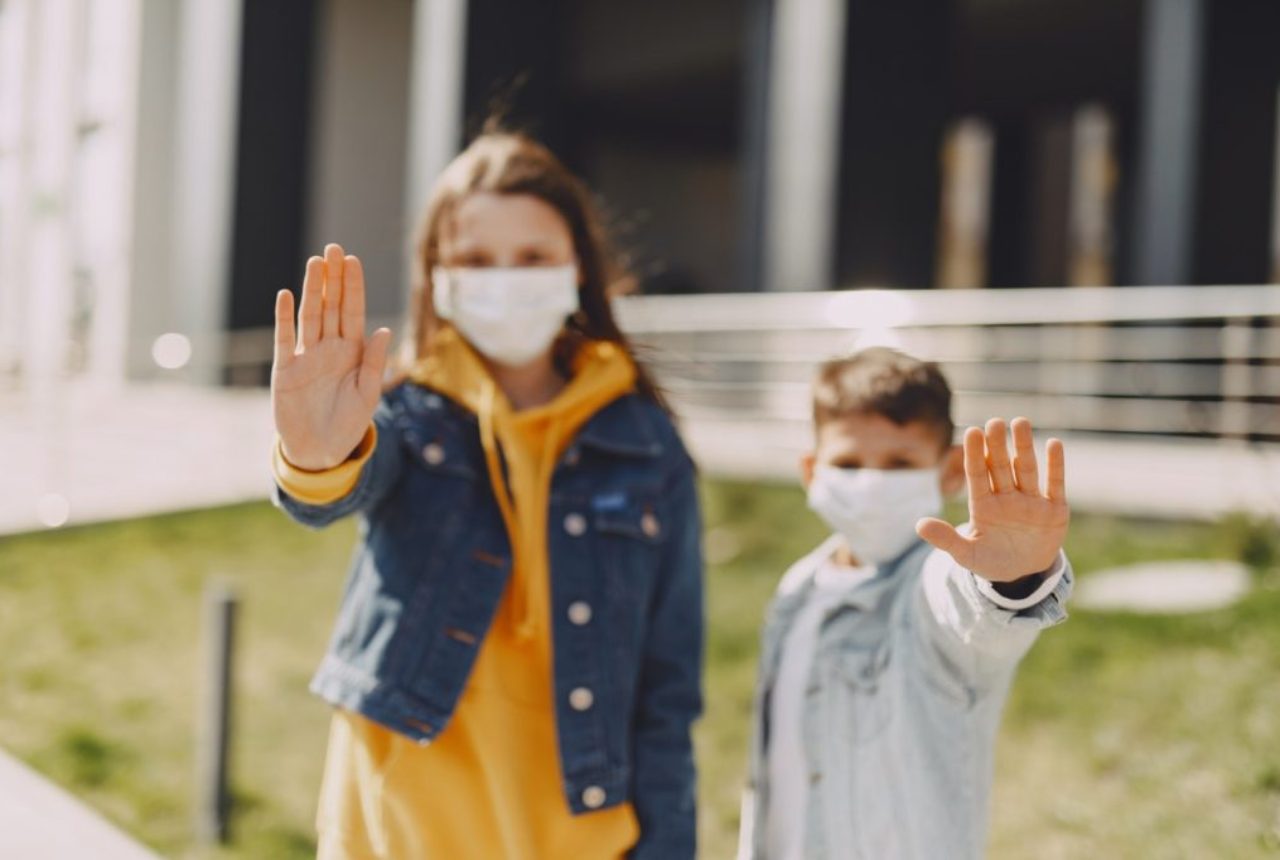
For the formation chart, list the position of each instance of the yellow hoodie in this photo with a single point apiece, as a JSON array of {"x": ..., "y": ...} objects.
[{"x": 490, "y": 785}]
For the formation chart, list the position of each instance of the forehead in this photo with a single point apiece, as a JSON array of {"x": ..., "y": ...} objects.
[
  {"x": 871, "y": 435},
  {"x": 485, "y": 217}
]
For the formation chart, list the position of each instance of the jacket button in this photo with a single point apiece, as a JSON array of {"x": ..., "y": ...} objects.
[
  {"x": 581, "y": 699},
  {"x": 580, "y": 612},
  {"x": 572, "y": 457},
  {"x": 433, "y": 454},
  {"x": 575, "y": 524},
  {"x": 649, "y": 524},
  {"x": 593, "y": 797}
]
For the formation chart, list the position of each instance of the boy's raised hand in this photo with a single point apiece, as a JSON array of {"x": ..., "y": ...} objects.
[
  {"x": 1016, "y": 529},
  {"x": 326, "y": 380}
]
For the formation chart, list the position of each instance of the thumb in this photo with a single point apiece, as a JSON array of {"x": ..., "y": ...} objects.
[
  {"x": 944, "y": 536},
  {"x": 374, "y": 365}
]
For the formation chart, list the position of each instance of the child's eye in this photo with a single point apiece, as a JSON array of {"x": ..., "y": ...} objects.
[
  {"x": 533, "y": 258},
  {"x": 473, "y": 260}
]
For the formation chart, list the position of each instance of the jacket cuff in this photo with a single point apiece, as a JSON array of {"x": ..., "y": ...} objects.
[
  {"x": 1049, "y": 582},
  {"x": 327, "y": 485}
]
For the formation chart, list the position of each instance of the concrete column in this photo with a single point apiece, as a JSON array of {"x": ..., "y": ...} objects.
[
  {"x": 151, "y": 306},
  {"x": 50, "y": 133},
  {"x": 104, "y": 191},
  {"x": 802, "y": 154},
  {"x": 435, "y": 100},
  {"x": 358, "y": 157},
  {"x": 1164, "y": 208},
  {"x": 204, "y": 178},
  {"x": 17, "y": 21}
]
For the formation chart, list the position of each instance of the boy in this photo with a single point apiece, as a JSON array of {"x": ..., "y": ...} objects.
[{"x": 885, "y": 662}]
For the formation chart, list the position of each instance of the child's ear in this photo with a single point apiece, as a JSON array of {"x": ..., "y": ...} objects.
[
  {"x": 952, "y": 472},
  {"x": 807, "y": 461}
]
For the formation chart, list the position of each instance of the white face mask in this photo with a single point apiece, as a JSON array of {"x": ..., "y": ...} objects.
[
  {"x": 875, "y": 510},
  {"x": 510, "y": 315}
]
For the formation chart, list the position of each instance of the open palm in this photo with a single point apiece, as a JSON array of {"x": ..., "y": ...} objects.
[
  {"x": 1016, "y": 529},
  {"x": 326, "y": 380}
]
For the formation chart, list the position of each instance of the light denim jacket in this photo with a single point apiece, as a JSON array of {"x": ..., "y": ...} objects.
[{"x": 909, "y": 677}]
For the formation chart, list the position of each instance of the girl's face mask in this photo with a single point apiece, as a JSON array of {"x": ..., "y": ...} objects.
[
  {"x": 875, "y": 510},
  {"x": 510, "y": 315}
]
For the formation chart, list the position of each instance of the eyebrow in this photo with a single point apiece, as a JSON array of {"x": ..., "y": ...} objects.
[{"x": 461, "y": 246}]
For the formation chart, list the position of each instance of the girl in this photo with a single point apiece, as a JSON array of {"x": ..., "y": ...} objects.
[{"x": 517, "y": 658}]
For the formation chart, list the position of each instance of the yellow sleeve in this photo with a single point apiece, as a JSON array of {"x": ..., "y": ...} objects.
[{"x": 327, "y": 485}]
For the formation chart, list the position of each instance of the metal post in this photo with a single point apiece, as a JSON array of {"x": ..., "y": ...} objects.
[
  {"x": 438, "y": 68},
  {"x": 213, "y": 799}
]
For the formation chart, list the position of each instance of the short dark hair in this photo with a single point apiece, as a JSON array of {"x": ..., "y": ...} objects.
[{"x": 886, "y": 382}]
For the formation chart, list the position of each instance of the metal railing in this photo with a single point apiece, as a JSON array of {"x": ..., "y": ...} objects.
[
  {"x": 1199, "y": 362},
  {"x": 1182, "y": 361}
]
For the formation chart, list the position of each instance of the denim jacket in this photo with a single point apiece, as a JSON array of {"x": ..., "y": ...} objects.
[
  {"x": 432, "y": 562},
  {"x": 909, "y": 677}
]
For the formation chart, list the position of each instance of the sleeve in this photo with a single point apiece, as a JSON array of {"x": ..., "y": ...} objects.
[
  {"x": 670, "y": 693},
  {"x": 971, "y": 630},
  {"x": 316, "y": 499}
]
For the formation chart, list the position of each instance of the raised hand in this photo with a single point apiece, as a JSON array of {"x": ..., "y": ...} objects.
[
  {"x": 326, "y": 380},
  {"x": 1016, "y": 529}
]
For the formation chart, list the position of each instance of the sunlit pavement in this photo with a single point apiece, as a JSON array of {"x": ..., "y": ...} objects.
[
  {"x": 42, "y": 822},
  {"x": 91, "y": 456}
]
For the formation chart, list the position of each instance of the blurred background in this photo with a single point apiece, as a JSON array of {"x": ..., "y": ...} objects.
[{"x": 1074, "y": 205}]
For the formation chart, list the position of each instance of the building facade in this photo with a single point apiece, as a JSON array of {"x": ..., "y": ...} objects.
[{"x": 167, "y": 165}]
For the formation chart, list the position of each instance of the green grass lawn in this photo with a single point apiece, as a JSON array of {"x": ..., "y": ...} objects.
[{"x": 1126, "y": 736}]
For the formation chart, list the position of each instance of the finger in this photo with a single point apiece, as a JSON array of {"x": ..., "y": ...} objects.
[
  {"x": 353, "y": 299},
  {"x": 333, "y": 277},
  {"x": 975, "y": 464},
  {"x": 944, "y": 536},
  {"x": 1056, "y": 459},
  {"x": 286, "y": 338},
  {"x": 1024, "y": 458},
  {"x": 310, "y": 320},
  {"x": 998, "y": 456},
  {"x": 374, "y": 365}
]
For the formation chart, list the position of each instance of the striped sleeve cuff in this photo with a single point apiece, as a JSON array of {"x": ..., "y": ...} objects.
[{"x": 1050, "y": 580}]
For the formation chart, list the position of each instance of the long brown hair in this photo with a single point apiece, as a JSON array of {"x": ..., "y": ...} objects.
[{"x": 505, "y": 162}]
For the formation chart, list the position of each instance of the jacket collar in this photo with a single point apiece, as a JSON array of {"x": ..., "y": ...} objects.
[{"x": 866, "y": 595}]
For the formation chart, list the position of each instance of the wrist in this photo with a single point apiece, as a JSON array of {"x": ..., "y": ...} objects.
[
  {"x": 1020, "y": 588},
  {"x": 310, "y": 463}
]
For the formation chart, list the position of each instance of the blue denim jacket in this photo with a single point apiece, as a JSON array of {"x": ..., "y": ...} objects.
[
  {"x": 909, "y": 678},
  {"x": 434, "y": 558}
]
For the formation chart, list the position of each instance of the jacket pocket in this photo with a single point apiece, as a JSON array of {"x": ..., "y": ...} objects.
[
  {"x": 863, "y": 702},
  {"x": 440, "y": 449}
]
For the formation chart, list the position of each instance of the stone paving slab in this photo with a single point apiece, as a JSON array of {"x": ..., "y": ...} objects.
[
  {"x": 1164, "y": 587},
  {"x": 39, "y": 821}
]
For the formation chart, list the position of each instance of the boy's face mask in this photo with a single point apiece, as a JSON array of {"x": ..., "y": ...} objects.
[
  {"x": 510, "y": 315},
  {"x": 875, "y": 510}
]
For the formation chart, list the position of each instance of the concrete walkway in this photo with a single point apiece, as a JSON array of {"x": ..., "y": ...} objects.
[
  {"x": 39, "y": 821},
  {"x": 100, "y": 455},
  {"x": 94, "y": 456}
]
